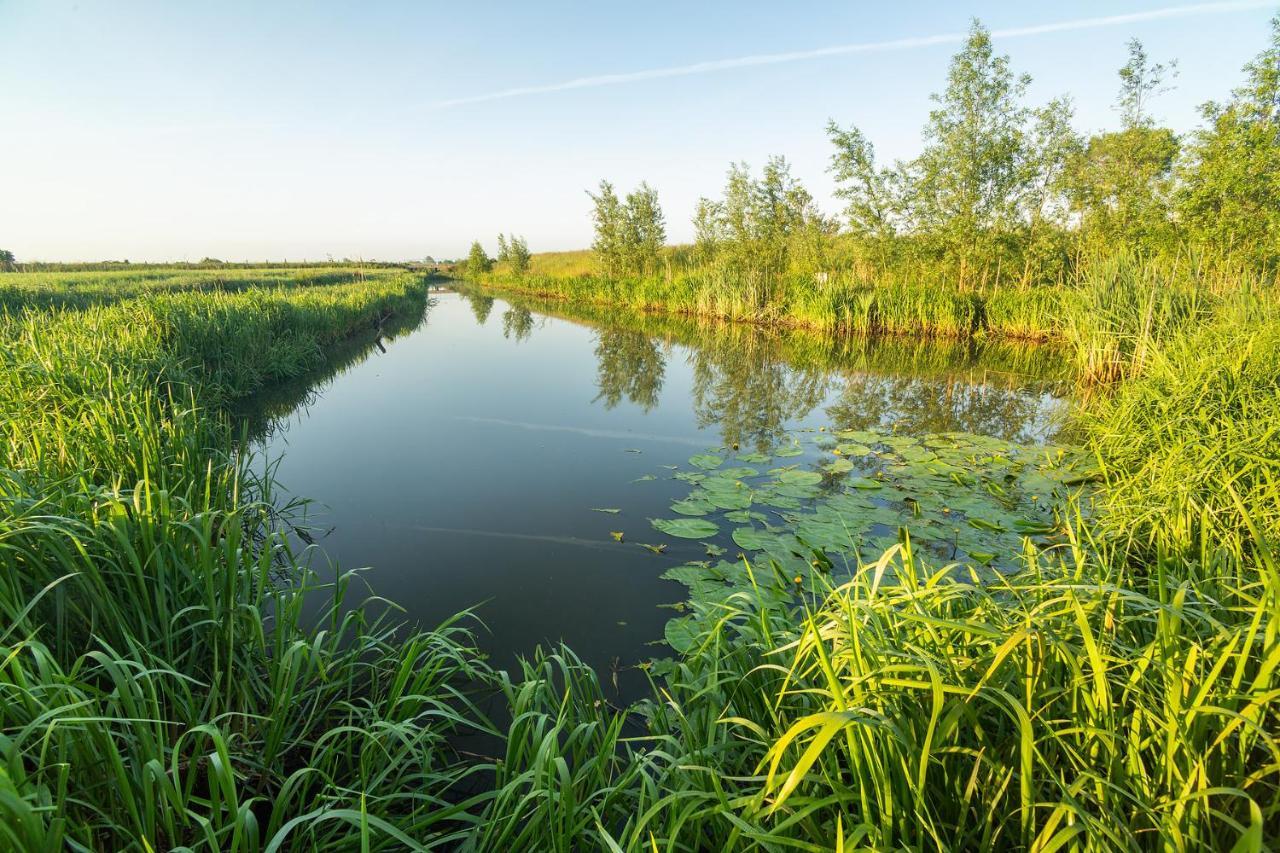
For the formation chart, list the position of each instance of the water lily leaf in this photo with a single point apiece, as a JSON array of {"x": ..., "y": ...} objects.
[
  {"x": 737, "y": 473},
  {"x": 616, "y": 534},
  {"x": 853, "y": 449},
  {"x": 657, "y": 549},
  {"x": 713, "y": 550},
  {"x": 752, "y": 539},
  {"x": 839, "y": 466},
  {"x": 693, "y": 506},
  {"x": 681, "y": 634},
  {"x": 646, "y": 478},
  {"x": 744, "y": 515},
  {"x": 791, "y": 450},
  {"x": 706, "y": 461},
  {"x": 800, "y": 478},
  {"x": 753, "y": 458},
  {"x": 612, "y": 510},
  {"x": 686, "y": 528}
]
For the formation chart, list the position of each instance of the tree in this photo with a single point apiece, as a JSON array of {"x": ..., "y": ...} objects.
[
  {"x": 867, "y": 189},
  {"x": 7, "y": 260},
  {"x": 645, "y": 231},
  {"x": 1140, "y": 81},
  {"x": 706, "y": 229},
  {"x": 518, "y": 255},
  {"x": 1120, "y": 181},
  {"x": 1230, "y": 192},
  {"x": 504, "y": 252},
  {"x": 629, "y": 236},
  {"x": 477, "y": 261},
  {"x": 762, "y": 224},
  {"x": 968, "y": 183},
  {"x": 609, "y": 220}
]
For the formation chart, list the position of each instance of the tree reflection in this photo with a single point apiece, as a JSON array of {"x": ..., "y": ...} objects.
[
  {"x": 628, "y": 364},
  {"x": 481, "y": 306},
  {"x": 742, "y": 383},
  {"x": 945, "y": 403},
  {"x": 517, "y": 322}
]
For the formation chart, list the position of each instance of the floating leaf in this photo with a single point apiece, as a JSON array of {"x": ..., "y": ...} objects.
[
  {"x": 681, "y": 634},
  {"x": 839, "y": 466},
  {"x": 657, "y": 549},
  {"x": 706, "y": 461},
  {"x": 646, "y": 478},
  {"x": 713, "y": 550},
  {"x": 852, "y": 449},
  {"x": 616, "y": 534},
  {"x": 800, "y": 478},
  {"x": 752, "y": 539},
  {"x": 686, "y": 528},
  {"x": 693, "y": 506},
  {"x": 609, "y": 509}
]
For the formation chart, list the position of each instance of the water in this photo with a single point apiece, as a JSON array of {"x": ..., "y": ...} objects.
[{"x": 462, "y": 460}]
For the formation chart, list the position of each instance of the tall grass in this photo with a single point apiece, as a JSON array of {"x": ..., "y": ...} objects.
[{"x": 161, "y": 686}]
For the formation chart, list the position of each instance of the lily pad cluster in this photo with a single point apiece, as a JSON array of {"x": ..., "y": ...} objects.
[{"x": 828, "y": 502}]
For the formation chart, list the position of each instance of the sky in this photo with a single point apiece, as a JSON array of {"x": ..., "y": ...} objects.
[{"x": 286, "y": 131}]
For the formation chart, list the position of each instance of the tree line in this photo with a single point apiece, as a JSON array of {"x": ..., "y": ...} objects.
[{"x": 1002, "y": 191}]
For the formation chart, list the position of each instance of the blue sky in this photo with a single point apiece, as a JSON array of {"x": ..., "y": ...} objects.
[{"x": 158, "y": 131}]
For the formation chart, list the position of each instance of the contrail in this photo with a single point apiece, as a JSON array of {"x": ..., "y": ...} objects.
[{"x": 861, "y": 47}]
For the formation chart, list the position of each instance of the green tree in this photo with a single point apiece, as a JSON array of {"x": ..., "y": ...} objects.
[
  {"x": 867, "y": 189},
  {"x": 764, "y": 225},
  {"x": 706, "y": 229},
  {"x": 477, "y": 261},
  {"x": 967, "y": 185},
  {"x": 1140, "y": 81},
  {"x": 7, "y": 260},
  {"x": 1230, "y": 192},
  {"x": 645, "y": 232},
  {"x": 504, "y": 251},
  {"x": 1120, "y": 182},
  {"x": 609, "y": 218},
  {"x": 518, "y": 255}
]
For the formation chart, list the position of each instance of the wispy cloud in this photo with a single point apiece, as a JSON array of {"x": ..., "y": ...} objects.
[{"x": 911, "y": 43}]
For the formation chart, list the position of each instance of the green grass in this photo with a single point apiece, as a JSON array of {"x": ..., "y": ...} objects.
[{"x": 161, "y": 685}]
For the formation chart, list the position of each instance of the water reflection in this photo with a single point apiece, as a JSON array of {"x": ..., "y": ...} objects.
[
  {"x": 480, "y": 483},
  {"x": 517, "y": 322},
  {"x": 481, "y": 306},
  {"x": 629, "y": 365},
  {"x": 750, "y": 383}
]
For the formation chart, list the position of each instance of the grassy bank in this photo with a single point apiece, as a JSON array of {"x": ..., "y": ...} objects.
[
  {"x": 1102, "y": 316},
  {"x": 160, "y": 688}
]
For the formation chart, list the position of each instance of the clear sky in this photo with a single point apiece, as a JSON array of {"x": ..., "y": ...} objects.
[{"x": 251, "y": 130}]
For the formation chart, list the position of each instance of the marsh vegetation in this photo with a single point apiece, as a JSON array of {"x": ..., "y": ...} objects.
[{"x": 910, "y": 615}]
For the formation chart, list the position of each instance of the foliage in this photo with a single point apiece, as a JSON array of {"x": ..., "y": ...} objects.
[
  {"x": 629, "y": 235},
  {"x": 1230, "y": 188},
  {"x": 478, "y": 262}
]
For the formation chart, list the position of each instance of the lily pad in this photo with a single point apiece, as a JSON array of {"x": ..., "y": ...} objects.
[
  {"x": 686, "y": 528},
  {"x": 706, "y": 461},
  {"x": 800, "y": 478}
]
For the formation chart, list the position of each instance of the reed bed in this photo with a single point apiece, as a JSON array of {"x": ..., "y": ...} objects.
[{"x": 161, "y": 687}]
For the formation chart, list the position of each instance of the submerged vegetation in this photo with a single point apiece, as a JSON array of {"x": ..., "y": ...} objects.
[{"x": 946, "y": 641}]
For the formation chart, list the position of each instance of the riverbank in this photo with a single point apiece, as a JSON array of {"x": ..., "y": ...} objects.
[
  {"x": 1104, "y": 318},
  {"x": 160, "y": 687}
]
